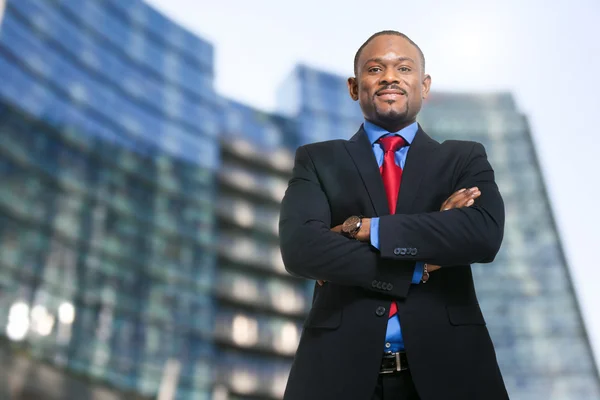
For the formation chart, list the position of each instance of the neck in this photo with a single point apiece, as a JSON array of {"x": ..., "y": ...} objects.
[{"x": 392, "y": 126}]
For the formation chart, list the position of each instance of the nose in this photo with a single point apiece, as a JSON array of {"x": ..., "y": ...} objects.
[{"x": 390, "y": 76}]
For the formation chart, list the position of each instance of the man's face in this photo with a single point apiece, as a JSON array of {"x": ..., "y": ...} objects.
[{"x": 390, "y": 84}]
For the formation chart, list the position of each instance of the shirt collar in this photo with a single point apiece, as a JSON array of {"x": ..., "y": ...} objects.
[{"x": 375, "y": 132}]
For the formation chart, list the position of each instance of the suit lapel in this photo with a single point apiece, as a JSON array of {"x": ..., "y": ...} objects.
[
  {"x": 361, "y": 153},
  {"x": 417, "y": 163}
]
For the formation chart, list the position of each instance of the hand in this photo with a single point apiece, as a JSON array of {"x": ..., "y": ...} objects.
[{"x": 461, "y": 198}]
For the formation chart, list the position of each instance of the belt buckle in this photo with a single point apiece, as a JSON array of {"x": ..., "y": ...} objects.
[{"x": 398, "y": 366}]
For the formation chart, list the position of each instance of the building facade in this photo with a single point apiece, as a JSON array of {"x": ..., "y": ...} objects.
[
  {"x": 319, "y": 104},
  {"x": 107, "y": 202},
  {"x": 260, "y": 306}
]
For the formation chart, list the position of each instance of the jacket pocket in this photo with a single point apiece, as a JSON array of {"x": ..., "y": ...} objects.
[
  {"x": 465, "y": 315},
  {"x": 325, "y": 318}
]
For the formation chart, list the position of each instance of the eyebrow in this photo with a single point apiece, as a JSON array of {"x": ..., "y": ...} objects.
[{"x": 381, "y": 61}]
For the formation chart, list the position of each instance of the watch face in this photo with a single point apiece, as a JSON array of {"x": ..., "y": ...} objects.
[{"x": 351, "y": 225}]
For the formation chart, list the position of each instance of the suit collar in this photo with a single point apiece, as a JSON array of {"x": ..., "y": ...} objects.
[{"x": 361, "y": 152}]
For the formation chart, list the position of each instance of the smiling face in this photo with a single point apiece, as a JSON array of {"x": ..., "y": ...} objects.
[{"x": 390, "y": 83}]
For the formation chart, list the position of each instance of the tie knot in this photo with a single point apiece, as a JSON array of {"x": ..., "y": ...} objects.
[{"x": 392, "y": 143}]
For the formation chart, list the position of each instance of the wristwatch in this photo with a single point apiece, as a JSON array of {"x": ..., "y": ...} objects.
[{"x": 351, "y": 226}]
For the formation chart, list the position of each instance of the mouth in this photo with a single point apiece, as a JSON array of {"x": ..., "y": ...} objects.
[{"x": 390, "y": 94}]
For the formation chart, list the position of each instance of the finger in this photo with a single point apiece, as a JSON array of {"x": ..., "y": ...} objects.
[
  {"x": 431, "y": 268},
  {"x": 457, "y": 193},
  {"x": 473, "y": 192},
  {"x": 456, "y": 201},
  {"x": 460, "y": 198},
  {"x": 463, "y": 199},
  {"x": 455, "y": 197},
  {"x": 468, "y": 194},
  {"x": 467, "y": 202},
  {"x": 321, "y": 282}
]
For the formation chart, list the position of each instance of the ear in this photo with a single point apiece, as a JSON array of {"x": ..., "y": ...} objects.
[
  {"x": 425, "y": 86},
  {"x": 353, "y": 88}
]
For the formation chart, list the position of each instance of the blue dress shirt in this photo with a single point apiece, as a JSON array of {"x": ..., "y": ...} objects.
[{"x": 393, "y": 337}]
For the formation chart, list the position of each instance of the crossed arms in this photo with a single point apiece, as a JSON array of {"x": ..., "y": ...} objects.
[{"x": 458, "y": 236}]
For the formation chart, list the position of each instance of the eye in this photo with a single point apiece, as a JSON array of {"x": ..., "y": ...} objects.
[
  {"x": 404, "y": 69},
  {"x": 374, "y": 69}
]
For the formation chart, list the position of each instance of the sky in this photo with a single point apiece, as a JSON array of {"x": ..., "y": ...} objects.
[{"x": 547, "y": 53}]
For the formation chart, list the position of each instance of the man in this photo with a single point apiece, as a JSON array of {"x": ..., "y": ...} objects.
[{"x": 371, "y": 219}]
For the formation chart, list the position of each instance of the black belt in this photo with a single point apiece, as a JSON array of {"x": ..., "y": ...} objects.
[{"x": 393, "y": 362}]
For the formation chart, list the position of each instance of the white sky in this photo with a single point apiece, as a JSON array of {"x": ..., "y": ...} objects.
[{"x": 547, "y": 53}]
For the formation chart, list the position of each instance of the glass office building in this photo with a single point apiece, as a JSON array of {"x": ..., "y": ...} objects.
[
  {"x": 108, "y": 155},
  {"x": 319, "y": 104},
  {"x": 261, "y": 307}
]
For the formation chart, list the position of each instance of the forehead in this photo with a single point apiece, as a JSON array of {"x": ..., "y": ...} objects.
[{"x": 388, "y": 45}]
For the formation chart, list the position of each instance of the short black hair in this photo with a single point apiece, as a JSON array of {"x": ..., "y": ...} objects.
[{"x": 394, "y": 33}]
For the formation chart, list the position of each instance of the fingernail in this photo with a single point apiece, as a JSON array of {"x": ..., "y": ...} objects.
[
  {"x": 462, "y": 190},
  {"x": 470, "y": 202}
]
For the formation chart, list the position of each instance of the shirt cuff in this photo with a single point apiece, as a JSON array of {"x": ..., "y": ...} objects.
[
  {"x": 418, "y": 274},
  {"x": 375, "y": 232}
]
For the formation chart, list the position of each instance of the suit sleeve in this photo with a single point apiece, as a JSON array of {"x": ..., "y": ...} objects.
[
  {"x": 455, "y": 237},
  {"x": 419, "y": 266},
  {"x": 311, "y": 250}
]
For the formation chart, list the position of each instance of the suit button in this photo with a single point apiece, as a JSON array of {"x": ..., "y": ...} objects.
[
  {"x": 397, "y": 251},
  {"x": 413, "y": 252},
  {"x": 403, "y": 251},
  {"x": 380, "y": 311},
  {"x": 374, "y": 284}
]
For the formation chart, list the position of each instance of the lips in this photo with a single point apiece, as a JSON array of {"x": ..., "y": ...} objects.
[{"x": 390, "y": 92}]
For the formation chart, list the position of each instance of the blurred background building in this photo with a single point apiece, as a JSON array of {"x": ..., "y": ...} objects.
[{"x": 139, "y": 210}]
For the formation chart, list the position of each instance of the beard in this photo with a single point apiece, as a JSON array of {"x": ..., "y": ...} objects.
[{"x": 389, "y": 114}]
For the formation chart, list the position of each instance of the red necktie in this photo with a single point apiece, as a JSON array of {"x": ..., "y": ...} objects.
[{"x": 392, "y": 177}]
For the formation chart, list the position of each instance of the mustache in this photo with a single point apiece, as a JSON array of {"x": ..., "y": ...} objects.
[{"x": 392, "y": 87}]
